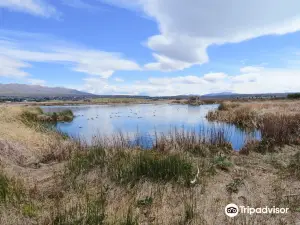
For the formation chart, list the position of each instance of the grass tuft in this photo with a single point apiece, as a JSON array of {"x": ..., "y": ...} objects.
[
  {"x": 151, "y": 165},
  {"x": 11, "y": 191}
]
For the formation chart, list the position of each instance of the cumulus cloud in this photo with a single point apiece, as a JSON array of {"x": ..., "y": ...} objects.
[
  {"x": 267, "y": 80},
  {"x": 166, "y": 64},
  {"x": 188, "y": 28},
  {"x": 35, "y": 7},
  {"x": 16, "y": 56}
]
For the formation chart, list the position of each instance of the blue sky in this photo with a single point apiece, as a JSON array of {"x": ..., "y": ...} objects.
[{"x": 157, "y": 47}]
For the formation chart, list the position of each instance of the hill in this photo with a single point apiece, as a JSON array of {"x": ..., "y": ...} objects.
[{"x": 24, "y": 90}]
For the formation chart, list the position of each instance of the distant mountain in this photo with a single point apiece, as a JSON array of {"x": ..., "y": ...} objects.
[
  {"x": 24, "y": 90},
  {"x": 219, "y": 94}
]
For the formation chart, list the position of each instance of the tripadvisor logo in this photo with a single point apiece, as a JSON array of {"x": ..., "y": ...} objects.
[{"x": 233, "y": 210}]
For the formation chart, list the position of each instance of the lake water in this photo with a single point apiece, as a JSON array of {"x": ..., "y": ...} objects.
[{"x": 144, "y": 119}]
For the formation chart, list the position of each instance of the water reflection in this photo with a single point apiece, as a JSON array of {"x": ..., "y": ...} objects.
[{"x": 146, "y": 119}]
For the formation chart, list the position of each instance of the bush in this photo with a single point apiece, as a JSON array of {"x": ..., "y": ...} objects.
[
  {"x": 194, "y": 100},
  {"x": 66, "y": 115},
  {"x": 34, "y": 116},
  {"x": 293, "y": 96}
]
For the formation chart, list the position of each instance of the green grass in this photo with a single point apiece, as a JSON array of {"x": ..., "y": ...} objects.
[
  {"x": 11, "y": 191},
  {"x": 222, "y": 162},
  {"x": 29, "y": 210},
  {"x": 151, "y": 165},
  {"x": 85, "y": 160},
  {"x": 66, "y": 115}
]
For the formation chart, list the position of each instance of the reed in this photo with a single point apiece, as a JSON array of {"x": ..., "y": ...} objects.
[{"x": 151, "y": 165}]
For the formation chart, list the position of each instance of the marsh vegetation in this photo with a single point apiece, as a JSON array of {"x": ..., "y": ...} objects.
[{"x": 185, "y": 178}]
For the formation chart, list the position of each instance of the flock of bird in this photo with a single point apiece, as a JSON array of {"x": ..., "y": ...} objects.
[{"x": 132, "y": 114}]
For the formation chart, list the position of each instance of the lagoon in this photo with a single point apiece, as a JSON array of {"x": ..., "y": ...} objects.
[{"x": 145, "y": 120}]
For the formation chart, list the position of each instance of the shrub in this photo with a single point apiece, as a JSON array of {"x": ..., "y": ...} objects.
[
  {"x": 34, "y": 116},
  {"x": 194, "y": 100},
  {"x": 66, "y": 115},
  {"x": 293, "y": 96}
]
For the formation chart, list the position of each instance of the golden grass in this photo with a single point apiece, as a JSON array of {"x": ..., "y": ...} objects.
[
  {"x": 250, "y": 113},
  {"x": 13, "y": 130}
]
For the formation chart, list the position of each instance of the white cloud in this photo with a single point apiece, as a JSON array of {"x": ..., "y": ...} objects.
[
  {"x": 188, "y": 28},
  {"x": 17, "y": 55},
  {"x": 166, "y": 64},
  {"x": 10, "y": 67},
  {"x": 81, "y": 4},
  {"x": 177, "y": 80},
  {"x": 267, "y": 80},
  {"x": 251, "y": 69},
  {"x": 35, "y": 7}
]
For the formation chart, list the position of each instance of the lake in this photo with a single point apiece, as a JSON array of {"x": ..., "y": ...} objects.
[{"x": 144, "y": 120}]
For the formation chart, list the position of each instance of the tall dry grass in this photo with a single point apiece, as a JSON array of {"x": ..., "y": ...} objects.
[{"x": 278, "y": 121}]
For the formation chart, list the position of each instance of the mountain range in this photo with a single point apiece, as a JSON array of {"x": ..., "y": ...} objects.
[{"x": 17, "y": 90}]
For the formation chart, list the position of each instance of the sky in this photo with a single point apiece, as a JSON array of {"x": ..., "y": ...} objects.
[{"x": 152, "y": 47}]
